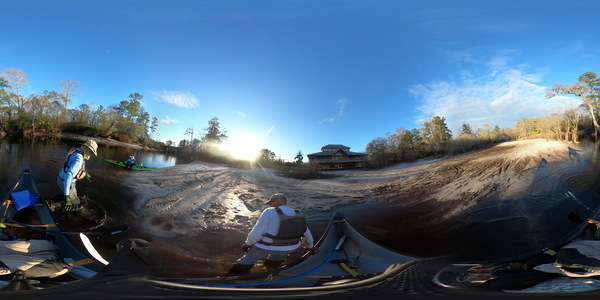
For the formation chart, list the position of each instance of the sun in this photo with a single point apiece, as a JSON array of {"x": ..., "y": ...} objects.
[{"x": 245, "y": 147}]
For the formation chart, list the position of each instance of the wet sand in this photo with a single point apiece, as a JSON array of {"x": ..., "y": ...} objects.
[{"x": 200, "y": 212}]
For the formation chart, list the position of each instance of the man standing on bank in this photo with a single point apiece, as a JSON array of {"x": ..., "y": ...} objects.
[
  {"x": 73, "y": 170},
  {"x": 278, "y": 231}
]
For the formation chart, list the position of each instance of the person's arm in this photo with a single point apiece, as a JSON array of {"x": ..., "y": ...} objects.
[
  {"x": 259, "y": 229},
  {"x": 307, "y": 239}
]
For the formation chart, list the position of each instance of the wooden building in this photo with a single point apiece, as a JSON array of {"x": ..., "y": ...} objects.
[{"x": 335, "y": 156}]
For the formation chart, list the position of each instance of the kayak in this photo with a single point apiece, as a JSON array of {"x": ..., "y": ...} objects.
[
  {"x": 135, "y": 166},
  {"x": 34, "y": 245}
]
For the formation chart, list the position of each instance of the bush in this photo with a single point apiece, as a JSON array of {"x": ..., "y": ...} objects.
[
  {"x": 124, "y": 139},
  {"x": 302, "y": 171},
  {"x": 44, "y": 124},
  {"x": 19, "y": 124},
  {"x": 86, "y": 130}
]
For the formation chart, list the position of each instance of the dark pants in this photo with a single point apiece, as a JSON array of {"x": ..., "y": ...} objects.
[{"x": 274, "y": 259}]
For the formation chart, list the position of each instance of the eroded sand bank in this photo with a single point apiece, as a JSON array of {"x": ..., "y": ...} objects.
[{"x": 200, "y": 201}]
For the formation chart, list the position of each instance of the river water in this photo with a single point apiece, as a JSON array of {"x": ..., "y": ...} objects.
[
  {"x": 104, "y": 188},
  {"x": 494, "y": 228},
  {"x": 45, "y": 158}
]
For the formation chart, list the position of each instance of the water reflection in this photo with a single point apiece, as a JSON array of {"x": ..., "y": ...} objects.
[{"x": 45, "y": 158}]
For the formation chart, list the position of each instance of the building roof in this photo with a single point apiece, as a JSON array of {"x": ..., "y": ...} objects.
[
  {"x": 336, "y": 146},
  {"x": 331, "y": 153},
  {"x": 339, "y": 148}
]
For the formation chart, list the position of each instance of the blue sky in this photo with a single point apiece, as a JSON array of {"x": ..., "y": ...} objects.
[{"x": 297, "y": 75}]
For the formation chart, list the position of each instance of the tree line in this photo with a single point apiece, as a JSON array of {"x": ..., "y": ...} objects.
[
  {"x": 48, "y": 112},
  {"x": 436, "y": 139}
]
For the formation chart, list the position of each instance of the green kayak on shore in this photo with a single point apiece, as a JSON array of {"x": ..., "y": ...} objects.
[{"x": 135, "y": 166}]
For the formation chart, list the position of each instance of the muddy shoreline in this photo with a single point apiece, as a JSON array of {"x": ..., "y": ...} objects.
[
  {"x": 203, "y": 211},
  {"x": 99, "y": 140}
]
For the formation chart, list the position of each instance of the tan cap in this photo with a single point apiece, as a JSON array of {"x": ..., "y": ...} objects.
[
  {"x": 276, "y": 196},
  {"x": 91, "y": 144}
]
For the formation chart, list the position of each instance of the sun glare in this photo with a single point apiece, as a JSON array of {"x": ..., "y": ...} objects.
[{"x": 243, "y": 147}]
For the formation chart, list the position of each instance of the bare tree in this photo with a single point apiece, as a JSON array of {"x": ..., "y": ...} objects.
[
  {"x": 68, "y": 89},
  {"x": 525, "y": 127},
  {"x": 587, "y": 88},
  {"x": 546, "y": 126},
  {"x": 557, "y": 124},
  {"x": 573, "y": 118},
  {"x": 190, "y": 132},
  {"x": 16, "y": 80},
  {"x": 153, "y": 126}
]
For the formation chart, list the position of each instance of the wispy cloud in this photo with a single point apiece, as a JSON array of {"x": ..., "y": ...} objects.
[
  {"x": 168, "y": 120},
  {"x": 502, "y": 97},
  {"x": 181, "y": 99},
  {"x": 328, "y": 120},
  {"x": 239, "y": 113},
  {"x": 340, "y": 105}
]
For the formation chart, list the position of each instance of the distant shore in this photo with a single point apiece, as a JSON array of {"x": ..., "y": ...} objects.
[{"x": 100, "y": 140}]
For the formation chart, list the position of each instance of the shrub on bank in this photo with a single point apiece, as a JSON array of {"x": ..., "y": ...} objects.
[{"x": 302, "y": 171}]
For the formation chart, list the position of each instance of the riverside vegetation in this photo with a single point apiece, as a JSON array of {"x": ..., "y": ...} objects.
[{"x": 48, "y": 114}]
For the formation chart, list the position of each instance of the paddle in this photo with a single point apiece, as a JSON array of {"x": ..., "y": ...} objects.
[
  {"x": 90, "y": 248},
  {"x": 572, "y": 197},
  {"x": 574, "y": 217},
  {"x": 111, "y": 231},
  {"x": 82, "y": 235}
]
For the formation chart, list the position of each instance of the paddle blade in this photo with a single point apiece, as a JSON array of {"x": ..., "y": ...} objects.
[{"x": 90, "y": 248}]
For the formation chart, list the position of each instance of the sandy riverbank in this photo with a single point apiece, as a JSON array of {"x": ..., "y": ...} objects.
[
  {"x": 99, "y": 140},
  {"x": 203, "y": 195},
  {"x": 198, "y": 199}
]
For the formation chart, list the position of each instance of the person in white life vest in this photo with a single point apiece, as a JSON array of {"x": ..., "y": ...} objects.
[
  {"x": 269, "y": 240},
  {"x": 74, "y": 169}
]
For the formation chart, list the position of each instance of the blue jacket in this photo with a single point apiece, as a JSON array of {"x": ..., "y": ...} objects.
[{"x": 74, "y": 164}]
